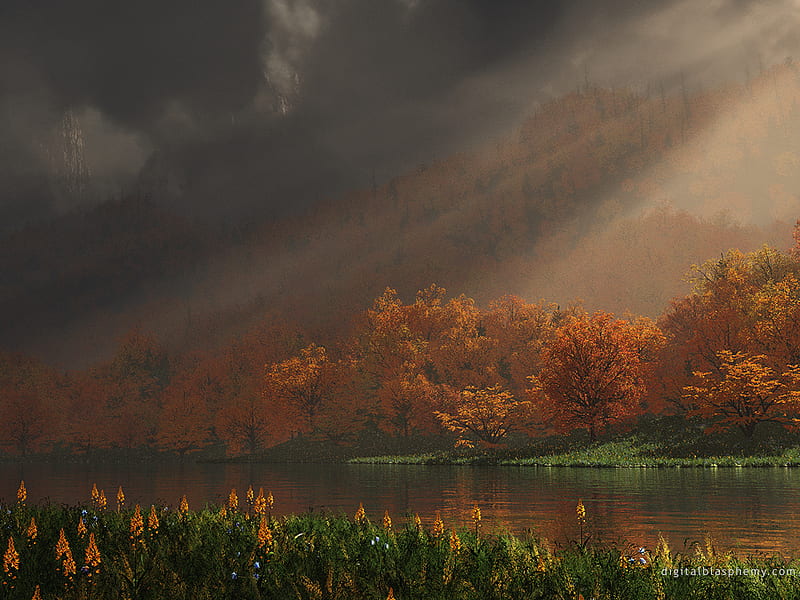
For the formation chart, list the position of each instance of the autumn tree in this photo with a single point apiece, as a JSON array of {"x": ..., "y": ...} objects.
[
  {"x": 303, "y": 383},
  {"x": 134, "y": 380},
  {"x": 185, "y": 420},
  {"x": 488, "y": 414},
  {"x": 408, "y": 400},
  {"x": 592, "y": 373},
  {"x": 27, "y": 421},
  {"x": 745, "y": 393},
  {"x": 741, "y": 303},
  {"x": 86, "y": 419},
  {"x": 245, "y": 423}
]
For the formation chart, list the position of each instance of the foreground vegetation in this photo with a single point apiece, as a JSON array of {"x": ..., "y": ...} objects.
[{"x": 243, "y": 552}]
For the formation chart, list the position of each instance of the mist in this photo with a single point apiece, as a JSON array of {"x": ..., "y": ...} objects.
[{"x": 271, "y": 106}]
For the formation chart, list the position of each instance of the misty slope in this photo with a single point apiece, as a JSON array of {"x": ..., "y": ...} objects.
[{"x": 567, "y": 207}]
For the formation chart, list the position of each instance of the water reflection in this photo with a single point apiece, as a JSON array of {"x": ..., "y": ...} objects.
[{"x": 754, "y": 510}]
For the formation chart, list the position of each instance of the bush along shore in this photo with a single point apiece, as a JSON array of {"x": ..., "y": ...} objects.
[{"x": 241, "y": 551}]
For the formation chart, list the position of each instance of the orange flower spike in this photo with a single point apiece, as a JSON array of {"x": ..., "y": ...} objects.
[
  {"x": 102, "y": 502},
  {"x": 183, "y": 508},
  {"x": 69, "y": 564},
  {"x": 81, "y": 527},
  {"x": 37, "y": 594},
  {"x": 455, "y": 543},
  {"x": 11, "y": 558},
  {"x": 260, "y": 505},
  {"x": 95, "y": 495},
  {"x": 391, "y": 595},
  {"x": 62, "y": 546},
  {"x": 264, "y": 534},
  {"x": 476, "y": 514},
  {"x": 92, "y": 558},
  {"x": 137, "y": 523},
  {"x": 438, "y": 526},
  {"x": 152, "y": 519},
  {"x": 32, "y": 531},
  {"x": 233, "y": 500},
  {"x": 120, "y": 499},
  {"x": 360, "y": 515},
  {"x": 580, "y": 512},
  {"x": 22, "y": 493},
  {"x": 270, "y": 500},
  {"x": 387, "y": 520},
  {"x": 249, "y": 497},
  {"x": 417, "y": 521}
]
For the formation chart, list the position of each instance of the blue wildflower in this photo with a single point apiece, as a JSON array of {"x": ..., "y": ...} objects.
[
  {"x": 234, "y": 575},
  {"x": 257, "y": 565},
  {"x": 642, "y": 560}
]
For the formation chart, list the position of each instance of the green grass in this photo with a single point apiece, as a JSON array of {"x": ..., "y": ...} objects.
[
  {"x": 664, "y": 442},
  {"x": 206, "y": 554},
  {"x": 626, "y": 453}
]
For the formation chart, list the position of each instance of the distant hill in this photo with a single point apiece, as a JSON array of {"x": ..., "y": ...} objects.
[{"x": 606, "y": 195}]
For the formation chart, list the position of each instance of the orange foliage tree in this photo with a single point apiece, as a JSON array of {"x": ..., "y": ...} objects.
[
  {"x": 593, "y": 372},
  {"x": 488, "y": 414},
  {"x": 745, "y": 393},
  {"x": 303, "y": 383},
  {"x": 185, "y": 419},
  {"x": 742, "y": 303}
]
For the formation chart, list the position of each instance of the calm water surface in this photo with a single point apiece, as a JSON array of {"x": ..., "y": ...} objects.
[{"x": 753, "y": 510}]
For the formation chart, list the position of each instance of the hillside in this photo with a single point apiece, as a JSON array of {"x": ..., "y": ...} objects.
[{"x": 606, "y": 195}]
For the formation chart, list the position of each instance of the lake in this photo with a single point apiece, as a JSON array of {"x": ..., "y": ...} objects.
[{"x": 751, "y": 510}]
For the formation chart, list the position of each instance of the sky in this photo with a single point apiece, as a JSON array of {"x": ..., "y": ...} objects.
[{"x": 255, "y": 108}]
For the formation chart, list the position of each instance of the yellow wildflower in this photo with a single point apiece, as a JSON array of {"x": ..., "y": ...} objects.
[
  {"x": 387, "y": 520},
  {"x": 62, "y": 545},
  {"x": 68, "y": 564},
  {"x": 183, "y": 508},
  {"x": 360, "y": 515},
  {"x": 391, "y": 594},
  {"x": 152, "y": 519},
  {"x": 264, "y": 534},
  {"x": 101, "y": 501},
  {"x": 580, "y": 511},
  {"x": 11, "y": 558},
  {"x": 260, "y": 505},
  {"x": 233, "y": 500},
  {"x": 438, "y": 526},
  {"x": 476, "y": 514},
  {"x": 417, "y": 521},
  {"x": 455, "y": 543},
  {"x": 137, "y": 523},
  {"x": 120, "y": 498},
  {"x": 22, "y": 493},
  {"x": 92, "y": 558},
  {"x": 95, "y": 495},
  {"x": 223, "y": 512},
  {"x": 81, "y": 527},
  {"x": 37, "y": 594},
  {"x": 32, "y": 531},
  {"x": 270, "y": 500},
  {"x": 249, "y": 496}
]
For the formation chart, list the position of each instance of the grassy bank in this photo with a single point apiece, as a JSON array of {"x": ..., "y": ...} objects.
[
  {"x": 625, "y": 453},
  {"x": 231, "y": 553}
]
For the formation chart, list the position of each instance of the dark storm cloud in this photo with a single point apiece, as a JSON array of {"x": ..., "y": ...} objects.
[
  {"x": 257, "y": 105},
  {"x": 132, "y": 59}
]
